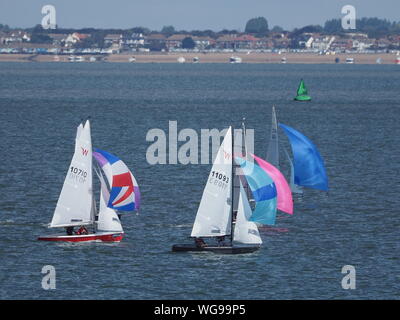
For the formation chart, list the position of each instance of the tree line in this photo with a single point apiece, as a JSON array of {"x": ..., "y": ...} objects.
[{"x": 257, "y": 26}]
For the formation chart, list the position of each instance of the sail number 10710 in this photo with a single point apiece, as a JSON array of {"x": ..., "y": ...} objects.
[{"x": 77, "y": 174}]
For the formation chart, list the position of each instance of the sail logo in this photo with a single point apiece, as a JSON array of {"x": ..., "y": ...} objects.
[
  {"x": 85, "y": 151},
  {"x": 122, "y": 196},
  {"x": 187, "y": 146}
]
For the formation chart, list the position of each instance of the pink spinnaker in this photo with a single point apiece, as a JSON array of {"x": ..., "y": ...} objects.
[{"x": 284, "y": 194}]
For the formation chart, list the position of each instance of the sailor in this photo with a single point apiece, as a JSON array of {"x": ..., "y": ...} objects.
[
  {"x": 234, "y": 215},
  {"x": 82, "y": 230},
  {"x": 221, "y": 241},
  {"x": 69, "y": 230},
  {"x": 200, "y": 242}
]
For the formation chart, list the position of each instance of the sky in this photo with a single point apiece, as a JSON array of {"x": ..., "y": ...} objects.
[{"x": 189, "y": 14}]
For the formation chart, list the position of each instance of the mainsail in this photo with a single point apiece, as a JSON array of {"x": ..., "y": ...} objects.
[
  {"x": 214, "y": 213},
  {"x": 75, "y": 202},
  {"x": 284, "y": 194},
  {"x": 273, "y": 146},
  {"x": 245, "y": 231},
  {"x": 124, "y": 194},
  {"x": 309, "y": 169},
  {"x": 264, "y": 192}
]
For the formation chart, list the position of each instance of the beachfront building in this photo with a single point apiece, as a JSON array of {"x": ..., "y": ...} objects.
[
  {"x": 341, "y": 44},
  {"x": 74, "y": 38},
  {"x": 381, "y": 44},
  {"x": 133, "y": 41},
  {"x": 322, "y": 43},
  {"x": 175, "y": 41},
  {"x": 15, "y": 36},
  {"x": 394, "y": 41},
  {"x": 264, "y": 43},
  {"x": 203, "y": 43},
  {"x": 281, "y": 43},
  {"x": 361, "y": 45},
  {"x": 155, "y": 42},
  {"x": 237, "y": 42},
  {"x": 113, "y": 40},
  {"x": 58, "y": 39}
]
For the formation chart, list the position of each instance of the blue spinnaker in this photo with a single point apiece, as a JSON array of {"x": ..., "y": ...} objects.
[
  {"x": 264, "y": 192},
  {"x": 309, "y": 169}
]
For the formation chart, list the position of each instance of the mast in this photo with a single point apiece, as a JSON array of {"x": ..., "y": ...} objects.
[
  {"x": 244, "y": 149},
  {"x": 244, "y": 154},
  {"x": 273, "y": 146},
  {"x": 94, "y": 209},
  {"x": 97, "y": 170},
  {"x": 232, "y": 184}
]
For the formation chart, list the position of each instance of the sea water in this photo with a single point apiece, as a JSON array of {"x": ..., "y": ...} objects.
[{"x": 353, "y": 119}]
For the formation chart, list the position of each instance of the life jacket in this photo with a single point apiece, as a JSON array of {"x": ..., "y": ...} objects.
[{"x": 82, "y": 230}]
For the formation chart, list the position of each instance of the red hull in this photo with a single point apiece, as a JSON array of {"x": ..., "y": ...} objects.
[{"x": 106, "y": 237}]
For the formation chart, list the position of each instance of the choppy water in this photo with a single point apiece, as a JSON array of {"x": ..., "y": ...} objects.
[{"x": 353, "y": 119}]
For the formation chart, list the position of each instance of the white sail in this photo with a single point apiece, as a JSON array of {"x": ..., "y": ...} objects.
[
  {"x": 79, "y": 130},
  {"x": 108, "y": 219},
  {"x": 214, "y": 214},
  {"x": 74, "y": 206},
  {"x": 240, "y": 148},
  {"x": 294, "y": 187},
  {"x": 246, "y": 231},
  {"x": 273, "y": 147}
]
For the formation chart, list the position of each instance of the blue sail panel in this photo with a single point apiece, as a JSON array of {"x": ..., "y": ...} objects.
[
  {"x": 264, "y": 192},
  {"x": 265, "y": 212},
  {"x": 309, "y": 169}
]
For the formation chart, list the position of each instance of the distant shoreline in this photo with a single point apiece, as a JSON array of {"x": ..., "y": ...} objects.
[{"x": 274, "y": 58}]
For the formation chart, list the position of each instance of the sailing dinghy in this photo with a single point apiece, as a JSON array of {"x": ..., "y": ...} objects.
[
  {"x": 308, "y": 165},
  {"x": 273, "y": 153},
  {"x": 76, "y": 205},
  {"x": 307, "y": 168},
  {"x": 215, "y": 215},
  {"x": 271, "y": 177}
]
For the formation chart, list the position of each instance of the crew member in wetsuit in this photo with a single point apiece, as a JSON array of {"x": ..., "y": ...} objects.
[
  {"x": 69, "y": 230},
  {"x": 221, "y": 241},
  {"x": 200, "y": 242},
  {"x": 82, "y": 230}
]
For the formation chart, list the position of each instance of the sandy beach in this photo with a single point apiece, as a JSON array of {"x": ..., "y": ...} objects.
[{"x": 213, "y": 58}]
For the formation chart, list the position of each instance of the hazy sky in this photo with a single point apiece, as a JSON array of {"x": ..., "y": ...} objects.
[{"x": 189, "y": 14}]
